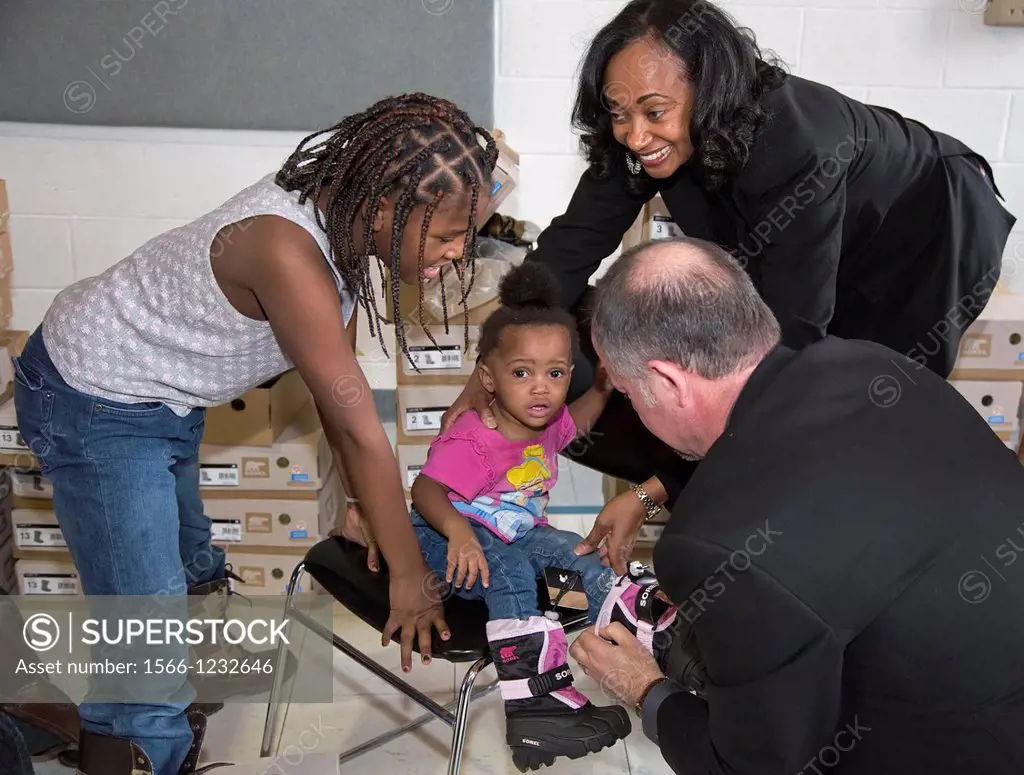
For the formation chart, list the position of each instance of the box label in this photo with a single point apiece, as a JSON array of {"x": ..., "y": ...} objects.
[
  {"x": 256, "y": 467},
  {"x": 50, "y": 583},
  {"x": 256, "y": 522},
  {"x": 664, "y": 228},
  {"x": 39, "y": 535},
  {"x": 976, "y": 346},
  {"x": 411, "y": 473},
  {"x": 429, "y": 358},
  {"x": 298, "y": 534},
  {"x": 253, "y": 576},
  {"x": 10, "y": 438},
  {"x": 424, "y": 419},
  {"x": 226, "y": 530},
  {"x": 218, "y": 475},
  {"x": 997, "y": 419}
]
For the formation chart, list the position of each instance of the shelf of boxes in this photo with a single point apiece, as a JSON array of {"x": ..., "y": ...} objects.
[{"x": 267, "y": 484}]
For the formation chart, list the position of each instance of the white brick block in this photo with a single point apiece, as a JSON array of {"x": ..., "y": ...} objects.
[
  {"x": 61, "y": 176},
  {"x": 30, "y": 306},
  {"x": 775, "y": 29},
  {"x": 1014, "y": 150},
  {"x": 1010, "y": 180},
  {"x": 192, "y": 179},
  {"x": 1012, "y": 278},
  {"x": 976, "y": 117},
  {"x": 541, "y": 38},
  {"x": 536, "y": 114},
  {"x": 42, "y": 252},
  {"x": 546, "y": 184},
  {"x": 99, "y": 243},
  {"x": 906, "y": 47},
  {"x": 980, "y": 55},
  {"x": 929, "y": 5}
]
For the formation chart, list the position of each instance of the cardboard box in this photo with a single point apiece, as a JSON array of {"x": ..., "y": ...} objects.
[
  {"x": 47, "y": 577},
  {"x": 11, "y": 345},
  {"x": 409, "y": 304},
  {"x": 998, "y": 402},
  {"x": 411, "y": 459},
  {"x": 5, "y": 207},
  {"x": 266, "y": 573},
  {"x": 994, "y": 343},
  {"x": 298, "y": 460},
  {"x": 36, "y": 530},
  {"x": 506, "y": 174},
  {"x": 32, "y": 485},
  {"x": 10, "y": 435},
  {"x": 259, "y": 416},
  {"x": 654, "y": 222},
  {"x": 446, "y": 362},
  {"x": 273, "y": 523},
  {"x": 420, "y": 408}
]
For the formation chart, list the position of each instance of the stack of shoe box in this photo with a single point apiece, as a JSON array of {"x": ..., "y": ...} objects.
[
  {"x": 6, "y": 261},
  {"x": 989, "y": 371},
  {"x": 266, "y": 483}
]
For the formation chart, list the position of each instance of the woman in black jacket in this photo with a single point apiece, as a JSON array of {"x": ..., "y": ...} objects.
[{"x": 852, "y": 220}]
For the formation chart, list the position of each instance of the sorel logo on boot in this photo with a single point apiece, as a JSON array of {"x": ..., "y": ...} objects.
[
  {"x": 562, "y": 674},
  {"x": 508, "y": 654}
]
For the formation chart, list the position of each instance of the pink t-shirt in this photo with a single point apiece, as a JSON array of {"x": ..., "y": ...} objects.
[{"x": 504, "y": 485}]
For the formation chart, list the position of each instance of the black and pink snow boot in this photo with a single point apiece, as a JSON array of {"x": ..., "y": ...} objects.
[
  {"x": 545, "y": 716},
  {"x": 634, "y": 602}
]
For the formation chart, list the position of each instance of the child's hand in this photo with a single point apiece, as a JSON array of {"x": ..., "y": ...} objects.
[
  {"x": 356, "y": 528},
  {"x": 466, "y": 558}
]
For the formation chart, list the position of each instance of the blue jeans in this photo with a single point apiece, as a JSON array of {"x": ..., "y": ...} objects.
[
  {"x": 516, "y": 567},
  {"x": 126, "y": 494}
]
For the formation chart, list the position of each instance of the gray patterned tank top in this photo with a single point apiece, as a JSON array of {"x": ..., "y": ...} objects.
[{"x": 157, "y": 327}]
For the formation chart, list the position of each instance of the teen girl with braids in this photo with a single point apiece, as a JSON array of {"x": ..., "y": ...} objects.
[{"x": 112, "y": 388}]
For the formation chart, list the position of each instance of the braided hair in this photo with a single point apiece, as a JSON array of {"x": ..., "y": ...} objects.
[
  {"x": 417, "y": 147},
  {"x": 529, "y": 296}
]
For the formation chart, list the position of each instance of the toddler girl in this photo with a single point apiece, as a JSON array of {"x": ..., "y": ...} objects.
[{"x": 479, "y": 512}]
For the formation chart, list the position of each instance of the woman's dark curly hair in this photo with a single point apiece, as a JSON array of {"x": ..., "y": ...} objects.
[{"x": 730, "y": 75}]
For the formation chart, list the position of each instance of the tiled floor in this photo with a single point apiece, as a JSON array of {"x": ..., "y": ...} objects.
[{"x": 364, "y": 706}]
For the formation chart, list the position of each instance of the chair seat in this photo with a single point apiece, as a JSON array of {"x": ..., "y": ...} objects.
[{"x": 339, "y": 566}]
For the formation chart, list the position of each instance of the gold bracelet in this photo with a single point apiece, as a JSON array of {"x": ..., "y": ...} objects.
[{"x": 650, "y": 507}]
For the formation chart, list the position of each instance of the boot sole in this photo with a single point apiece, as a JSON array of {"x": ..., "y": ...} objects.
[{"x": 543, "y": 733}]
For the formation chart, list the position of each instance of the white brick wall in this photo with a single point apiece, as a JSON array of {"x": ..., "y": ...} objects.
[{"x": 81, "y": 198}]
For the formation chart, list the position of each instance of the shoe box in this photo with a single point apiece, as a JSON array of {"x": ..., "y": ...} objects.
[
  {"x": 6, "y": 261},
  {"x": 11, "y": 345},
  {"x": 992, "y": 348},
  {"x": 260, "y": 416},
  {"x": 999, "y": 403},
  {"x": 445, "y": 360},
  {"x": 47, "y": 576}
]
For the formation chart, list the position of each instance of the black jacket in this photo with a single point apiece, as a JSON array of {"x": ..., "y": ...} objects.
[
  {"x": 851, "y": 219},
  {"x": 850, "y": 558}
]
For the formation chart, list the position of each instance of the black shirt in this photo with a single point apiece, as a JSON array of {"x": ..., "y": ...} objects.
[
  {"x": 849, "y": 557},
  {"x": 851, "y": 219}
]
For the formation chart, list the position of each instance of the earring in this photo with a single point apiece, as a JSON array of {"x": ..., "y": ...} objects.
[{"x": 633, "y": 163}]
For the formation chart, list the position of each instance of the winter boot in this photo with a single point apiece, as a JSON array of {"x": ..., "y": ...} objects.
[
  {"x": 211, "y": 601},
  {"x": 105, "y": 755},
  {"x": 545, "y": 716},
  {"x": 635, "y": 603}
]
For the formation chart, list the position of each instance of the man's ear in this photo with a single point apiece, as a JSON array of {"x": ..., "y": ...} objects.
[{"x": 674, "y": 381}]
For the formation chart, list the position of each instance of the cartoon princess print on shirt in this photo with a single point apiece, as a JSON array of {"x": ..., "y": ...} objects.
[{"x": 530, "y": 476}]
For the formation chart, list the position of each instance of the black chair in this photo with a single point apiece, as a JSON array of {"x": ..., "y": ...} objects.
[{"x": 339, "y": 566}]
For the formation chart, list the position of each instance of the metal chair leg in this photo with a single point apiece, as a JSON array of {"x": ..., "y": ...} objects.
[
  {"x": 275, "y": 690},
  {"x": 462, "y": 715}
]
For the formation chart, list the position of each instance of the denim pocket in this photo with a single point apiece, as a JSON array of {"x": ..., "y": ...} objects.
[
  {"x": 33, "y": 405},
  {"x": 116, "y": 409}
]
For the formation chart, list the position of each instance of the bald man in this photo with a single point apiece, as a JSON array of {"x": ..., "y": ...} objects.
[{"x": 844, "y": 556}]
